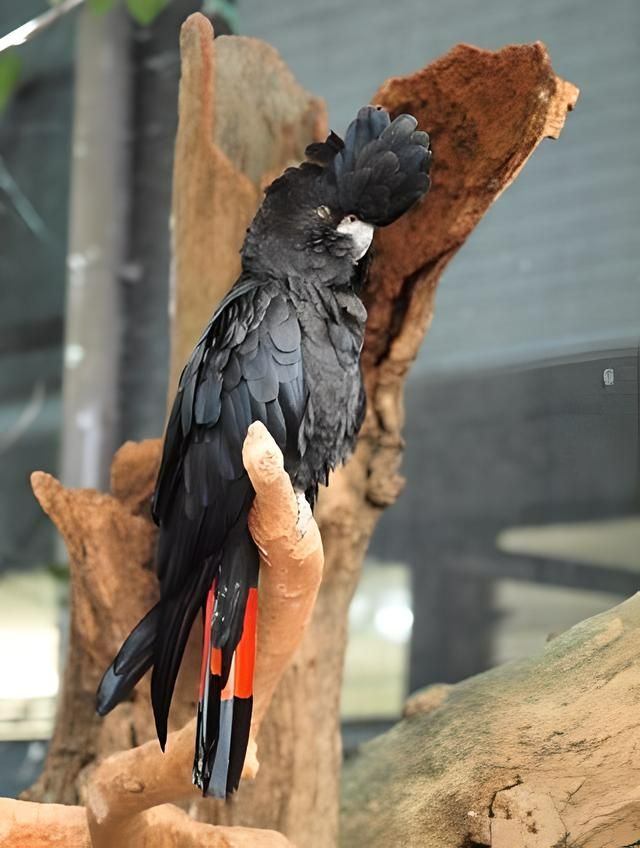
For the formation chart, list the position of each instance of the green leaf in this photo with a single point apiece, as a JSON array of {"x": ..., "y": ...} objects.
[
  {"x": 225, "y": 9},
  {"x": 101, "y": 6},
  {"x": 10, "y": 66},
  {"x": 145, "y": 11}
]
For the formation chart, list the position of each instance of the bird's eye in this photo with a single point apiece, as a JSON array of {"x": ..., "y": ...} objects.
[
  {"x": 351, "y": 219},
  {"x": 324, "y": 212}
]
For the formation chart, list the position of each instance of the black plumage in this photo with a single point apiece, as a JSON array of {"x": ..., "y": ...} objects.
[{"x": 282, "y": 348}]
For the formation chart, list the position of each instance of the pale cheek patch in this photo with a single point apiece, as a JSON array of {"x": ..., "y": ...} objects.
[{"x": 361, "y": 235}]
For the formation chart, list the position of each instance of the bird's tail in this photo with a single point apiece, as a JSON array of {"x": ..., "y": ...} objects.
[
  {"x": 228, "y": 657},
  {"x": 134, "y": 658},
  {"x": 225, "y": 702}
]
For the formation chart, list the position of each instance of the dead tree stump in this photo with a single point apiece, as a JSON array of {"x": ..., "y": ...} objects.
[{"x": 486, "y": 112}]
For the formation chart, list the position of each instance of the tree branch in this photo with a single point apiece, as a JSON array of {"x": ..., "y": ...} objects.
[{"x": 35, "y": 26}]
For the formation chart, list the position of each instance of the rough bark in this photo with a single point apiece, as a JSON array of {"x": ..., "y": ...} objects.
[
  {"x": 24, "y": 824},
  {"x": 486, "y": 113},
  {"x": 536, "y": 754},
  {"x": 110, "y": 541}
]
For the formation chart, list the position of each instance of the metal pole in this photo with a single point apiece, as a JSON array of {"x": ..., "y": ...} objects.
[{"x": 97, "y": 243}]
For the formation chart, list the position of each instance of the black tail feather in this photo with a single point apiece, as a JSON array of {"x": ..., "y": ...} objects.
[
  {"x": 241, "y": 724},
  {"x": 224, "y": 717},
  {"x": 174, "y": 627},
  {"x": 133, "y": 659}
]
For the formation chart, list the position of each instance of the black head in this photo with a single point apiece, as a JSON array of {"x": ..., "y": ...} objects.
[
  {"x": 300, "y": 226},
  {"x": 325, "y": 211}
]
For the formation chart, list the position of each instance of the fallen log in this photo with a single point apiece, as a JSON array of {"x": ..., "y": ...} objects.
[{"x": 541, "y": 753}]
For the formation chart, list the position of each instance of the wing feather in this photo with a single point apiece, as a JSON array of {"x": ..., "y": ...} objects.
[{"x": 247, "y": 366}]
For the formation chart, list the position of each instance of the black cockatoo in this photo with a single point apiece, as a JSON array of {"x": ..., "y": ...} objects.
[{"x": 282, "y": 348}]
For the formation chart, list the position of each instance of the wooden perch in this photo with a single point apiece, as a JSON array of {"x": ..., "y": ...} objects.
[
  {"x": 25, "y": 824},
  {"x": 541, "y": 753},
  {"x": 123, "y": 787},
  {"x": 291, "y": 568}
]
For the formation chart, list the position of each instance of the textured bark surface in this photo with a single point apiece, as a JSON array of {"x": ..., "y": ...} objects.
[
  {"x": 110, "y": 540},
  {"x": 42, "y": 825},
  {"x": 29, "y": 825},
  {"x": 126, "y": 784},
  {"x": 537, "y": 754},
  {"x": 486, "y": 113}
]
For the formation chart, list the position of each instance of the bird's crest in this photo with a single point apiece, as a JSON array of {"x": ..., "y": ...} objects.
[{"x": 380, "y": 169}]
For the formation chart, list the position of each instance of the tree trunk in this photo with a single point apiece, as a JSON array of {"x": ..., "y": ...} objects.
[{"x": 486, "y": 113}]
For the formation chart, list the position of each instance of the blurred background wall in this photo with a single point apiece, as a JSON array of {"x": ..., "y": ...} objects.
[{"x": 520, "y": 515}]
